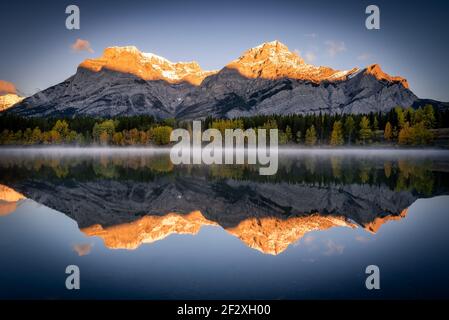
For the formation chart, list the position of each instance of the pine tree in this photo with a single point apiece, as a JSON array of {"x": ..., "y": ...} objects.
[
  {"x": 349, "y": 128},
  {"x": 288, "y": 134},
  {"x": 376, "y": 124}
]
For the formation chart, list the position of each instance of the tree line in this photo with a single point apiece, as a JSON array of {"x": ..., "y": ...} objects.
[{"x": 402, "y": 126}]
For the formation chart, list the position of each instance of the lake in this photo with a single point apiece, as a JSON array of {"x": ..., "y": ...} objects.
[{"x": 139, "y": 227}]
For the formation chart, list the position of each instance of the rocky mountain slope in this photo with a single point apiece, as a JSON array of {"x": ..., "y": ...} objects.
[{"x": 267, "y": 79}]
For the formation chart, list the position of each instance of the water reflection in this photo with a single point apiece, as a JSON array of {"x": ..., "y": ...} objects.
[{"x": 128, "y": 200}]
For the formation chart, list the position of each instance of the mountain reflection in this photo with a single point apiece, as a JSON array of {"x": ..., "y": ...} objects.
[
  {"x": 8, "y": 200},
  {"x": 131, "y": 200}
]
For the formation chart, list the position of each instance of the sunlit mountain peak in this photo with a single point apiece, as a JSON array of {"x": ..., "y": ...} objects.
[
  {"x": 273, "y": 60},
  {"x": 379, "y": 74},
  {"x": 147, "y": 66}
]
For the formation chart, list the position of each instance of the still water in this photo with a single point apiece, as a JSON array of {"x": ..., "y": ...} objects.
[{"x": 139, "y": 227}]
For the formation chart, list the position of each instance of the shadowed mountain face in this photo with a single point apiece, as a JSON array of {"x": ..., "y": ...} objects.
[
  {"x": 268, "y": 79},
  {"x": 229, "y": 94},
  {"x": 130, "y": 201}
]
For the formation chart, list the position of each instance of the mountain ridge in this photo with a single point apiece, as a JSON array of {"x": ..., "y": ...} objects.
[
  {"x": 267, "y": 79},
  {"x": 126, "y": 222},
  {"x": 147, "y": 66}
]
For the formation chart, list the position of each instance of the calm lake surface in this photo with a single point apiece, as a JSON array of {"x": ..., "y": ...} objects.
[{"x": 139, "y": 227}]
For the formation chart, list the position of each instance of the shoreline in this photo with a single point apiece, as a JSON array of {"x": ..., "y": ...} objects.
[{"x": 286, "y": 149}]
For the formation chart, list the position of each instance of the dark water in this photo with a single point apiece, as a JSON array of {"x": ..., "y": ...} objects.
[{"x": 139, "y": 227}]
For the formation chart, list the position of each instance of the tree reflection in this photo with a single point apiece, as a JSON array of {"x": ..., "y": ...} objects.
[{"x": 401, "y": 174}]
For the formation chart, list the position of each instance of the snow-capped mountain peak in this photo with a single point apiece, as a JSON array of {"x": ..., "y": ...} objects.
[
  {"x": 147, "y": 66},
  {"x": 273, "y": 60}
]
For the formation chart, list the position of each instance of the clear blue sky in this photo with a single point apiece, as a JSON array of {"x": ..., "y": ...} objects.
[{"x": 413, "y": 41}]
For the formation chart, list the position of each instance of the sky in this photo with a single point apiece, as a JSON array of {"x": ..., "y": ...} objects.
[{"x": 38, "y": 50}]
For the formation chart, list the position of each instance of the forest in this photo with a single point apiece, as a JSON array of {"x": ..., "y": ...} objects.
[{"x": 398, "y": 127}]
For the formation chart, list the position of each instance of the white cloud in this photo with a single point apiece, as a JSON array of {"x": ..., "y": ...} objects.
[
  {"x": 311, "y": 35},
  {"x": 82, "y": 45},
  {"x": 362, "y": 239},
  {"x": 82, "y": 249},
  {"x": 308, "y": 239},
  {"x": 364, "y": 56},
  {"x": 333, "y": 248},
  {"x": 310, "y": 56},
  {"x": 7, "y": 87},
  {"x": 335, "y": 47}
]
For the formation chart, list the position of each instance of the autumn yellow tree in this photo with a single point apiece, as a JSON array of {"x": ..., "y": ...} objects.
[
  {"x": 365, "y": 132},
  {"x": 62, "y": 128},
  {"x": 406, "y": 134},
  {"x": 104, "y": 138},
  {"x": 224, "y": 124},
  {"x": 161, "y": 135},
  {"x": 336, "y": 138},
  {"x": 102, "y": 132},
  {"x": 388, "y": 132},
  {"x": 421, "y": 135},
  {"x": 311, "y": 136},
  {"x": 118, "y": 138}
]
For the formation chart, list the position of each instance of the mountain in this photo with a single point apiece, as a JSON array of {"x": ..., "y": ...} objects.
[
  {"x": 267, "y": 79},
  {"x": 147, "y": 66},
  {"x": 8, "y": 200},
  {"x": 268, "y": 235},
  {"x": 9, "y": 100},
  {"x": 274, "y": 61},
  {"x": 266, "y": 217},
  {"x": 128, "y": 200}
]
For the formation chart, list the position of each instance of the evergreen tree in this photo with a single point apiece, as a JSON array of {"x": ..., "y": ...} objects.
[
  {"x": 375, "y": 124},
  {"x": 349, "y": 128}
]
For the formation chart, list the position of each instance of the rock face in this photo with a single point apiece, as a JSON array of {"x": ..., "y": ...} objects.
[
  {"x": 105, "y": 94},
  {"x": 9, "y": 100},
  {"x": 229, "y": 94},
  {"x": 267, "y": 79}
]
